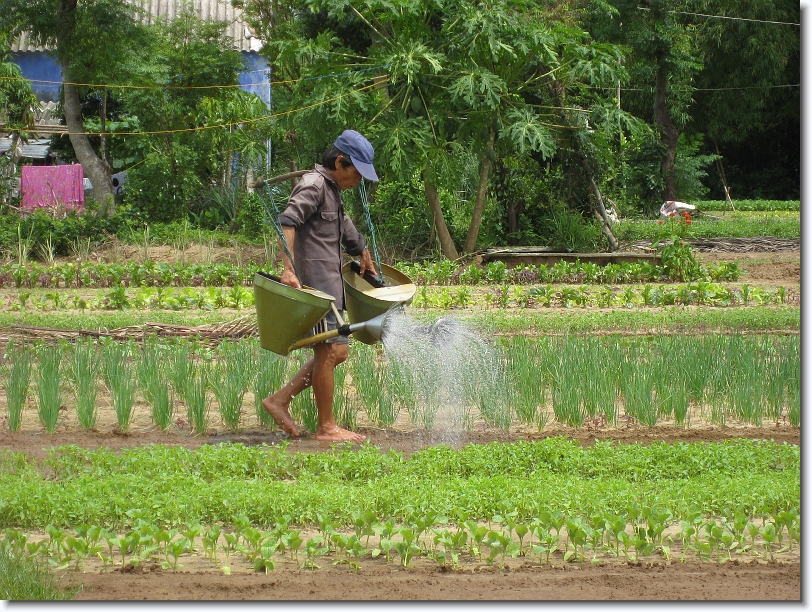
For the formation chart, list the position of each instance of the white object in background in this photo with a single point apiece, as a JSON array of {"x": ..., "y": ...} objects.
[{"x": 671, "y": 208}]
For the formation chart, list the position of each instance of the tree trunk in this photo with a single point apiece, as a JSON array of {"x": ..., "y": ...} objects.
[
  {"x": 599, "y": 210},
  {"x": 102, "y": 141},
  {"x": 446, "y": 243},
  {"x": 505, "y": 196},
  {"x": 479, "y": 201},
  {"x": 598, "y": 207},
  {"x": 513, "y": 212},
  {"x": 668, "y": 133},
  {"x": 95, "y": 169}
]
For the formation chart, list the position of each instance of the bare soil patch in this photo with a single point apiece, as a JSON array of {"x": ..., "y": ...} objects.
[
  {"x": 643, "y": 581},
  {"x": 772, "y": 269}
]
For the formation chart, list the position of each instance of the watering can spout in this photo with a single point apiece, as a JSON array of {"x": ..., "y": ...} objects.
[{"x": 374, "y": 326}]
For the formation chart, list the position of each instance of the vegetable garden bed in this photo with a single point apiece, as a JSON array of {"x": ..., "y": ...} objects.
[{"x": 703, "y": 474}]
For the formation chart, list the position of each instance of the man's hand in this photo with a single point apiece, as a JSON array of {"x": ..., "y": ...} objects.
[
  {"x": 290, "y": 279},
  {"x": 366, "y": 263}
]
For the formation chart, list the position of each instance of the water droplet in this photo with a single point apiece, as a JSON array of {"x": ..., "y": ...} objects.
[{"x": 447, "y": 372}]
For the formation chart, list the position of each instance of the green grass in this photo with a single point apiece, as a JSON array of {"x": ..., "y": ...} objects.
[
  {"x": 216, "y": 484},
  {"x": 748, "y": 205},
  {"x": 23, "y": 578},
  {"x": 777, "y": 226},
  {"x": 113, "y": 320},
  {"x": 700, "y": 320}
]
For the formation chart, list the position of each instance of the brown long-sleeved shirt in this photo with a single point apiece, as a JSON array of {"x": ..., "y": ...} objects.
[{"x": 316, "y": 210}]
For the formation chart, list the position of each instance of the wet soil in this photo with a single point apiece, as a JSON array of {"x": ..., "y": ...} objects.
[{"x": 37, "y": 443}]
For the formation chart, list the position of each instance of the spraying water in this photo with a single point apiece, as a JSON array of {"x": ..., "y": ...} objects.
[{"x": 445, "y": 374}]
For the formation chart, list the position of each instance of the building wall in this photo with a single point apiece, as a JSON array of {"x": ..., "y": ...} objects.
[
  {"x": 38, "y": 66},
  {"x": 256, "y": 79}
]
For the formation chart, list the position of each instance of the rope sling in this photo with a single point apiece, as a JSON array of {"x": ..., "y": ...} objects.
[
  {"x": 274, "y": 192},
  {"x": 362, "y": 191}
]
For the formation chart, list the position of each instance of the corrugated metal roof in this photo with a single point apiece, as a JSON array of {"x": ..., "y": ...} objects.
[
  {"x": 210, "y": 10},
  {"x": 34, "y": 149}
]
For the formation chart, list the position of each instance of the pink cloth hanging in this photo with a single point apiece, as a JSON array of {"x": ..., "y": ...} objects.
[{"x": 52, "y": 188}]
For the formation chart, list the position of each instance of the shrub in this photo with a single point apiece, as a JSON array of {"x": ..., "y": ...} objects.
[
  {"x": 571, "y": 233},
  {"x": 63, "y": 233}
]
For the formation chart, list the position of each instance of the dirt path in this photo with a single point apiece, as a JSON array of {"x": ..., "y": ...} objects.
[{"x": 37, "y": 443}]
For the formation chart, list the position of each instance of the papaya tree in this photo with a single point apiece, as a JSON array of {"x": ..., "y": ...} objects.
[{"x": 431, "y": 82}]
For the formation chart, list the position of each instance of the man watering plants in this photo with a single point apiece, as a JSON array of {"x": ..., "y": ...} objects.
[{"x": 315, "y": 227}]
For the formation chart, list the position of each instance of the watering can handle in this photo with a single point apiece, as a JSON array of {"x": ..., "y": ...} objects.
[{"x": 375, "y": 281}]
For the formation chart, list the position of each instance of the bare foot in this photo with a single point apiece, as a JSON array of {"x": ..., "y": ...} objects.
[
  {"x": 336, "y": 434},
  {"x": 281, "y": 416}
]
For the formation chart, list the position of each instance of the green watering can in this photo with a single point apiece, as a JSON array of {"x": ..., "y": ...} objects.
[{"x": 286, "y": 315}]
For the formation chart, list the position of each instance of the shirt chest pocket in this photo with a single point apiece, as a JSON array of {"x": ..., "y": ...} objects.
[{"x": 325, "y": 223}]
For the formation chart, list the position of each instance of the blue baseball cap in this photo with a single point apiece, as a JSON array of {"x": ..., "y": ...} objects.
[{"x": 360, "y": 152}]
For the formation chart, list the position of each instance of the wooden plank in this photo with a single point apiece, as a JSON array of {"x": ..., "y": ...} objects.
[{"x": 513, "y": 259}]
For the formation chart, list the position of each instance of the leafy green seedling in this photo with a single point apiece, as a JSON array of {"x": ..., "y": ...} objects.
[
  {"x": 265, "y": 561},
  {"x": 770, "y": 536},
  {"x": 357, "y": 550},
  {"x": 313, "y": 549}
]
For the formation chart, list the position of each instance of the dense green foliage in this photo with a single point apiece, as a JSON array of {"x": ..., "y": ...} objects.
[
  {"x": 219, "y": 483},
  {"x": 493, "y": 123}
]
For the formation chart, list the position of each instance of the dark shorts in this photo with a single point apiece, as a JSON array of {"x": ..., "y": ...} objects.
[{"x": 329, "y": 323}]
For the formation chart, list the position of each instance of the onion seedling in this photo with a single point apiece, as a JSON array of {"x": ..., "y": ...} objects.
[
  {"x": 19, "y": 375},
  {"x": 303, "y": 408},
  {"x": 180, "y": 364},
  {"x": 84, "y": 367},
  {"x": 637, "y": 386},
  {"x": 49, "y": 399},
  {"x": 346, "y": 412},
  {"x": 154, "y": 384},
  {"x": 231, "y": 378},
  {"x": 271, "y": 370},
  {"x": 118, "y": 375},
  {"x": 197, "y": 401}
]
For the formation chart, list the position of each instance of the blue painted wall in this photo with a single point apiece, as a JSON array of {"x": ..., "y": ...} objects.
[
  {"x": 256, "y": 79},
  {"x": 39, "y": 66}
]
